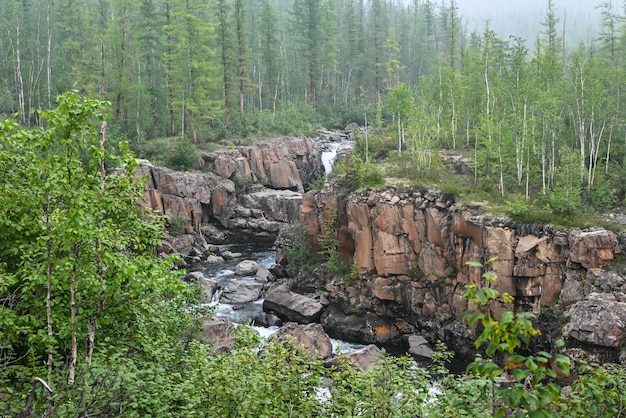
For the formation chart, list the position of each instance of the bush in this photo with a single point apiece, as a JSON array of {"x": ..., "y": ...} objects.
[
  {"x": 355, "y": 174},
  {"x": 601, "y": 196}
]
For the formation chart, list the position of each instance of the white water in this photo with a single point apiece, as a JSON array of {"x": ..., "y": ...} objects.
[
  {"x": 329, "y": 154},
  {"x": 242, "y": 313}
]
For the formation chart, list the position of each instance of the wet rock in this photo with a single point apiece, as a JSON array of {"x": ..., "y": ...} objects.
[
  {"x": 218, "y": 333},
  {"x": 213, "y": 259},
  {"x": 263, "y": 273},
  {"x": 292, "y": 306},
  {"x": 311, "y": 337},
  {"x": 242, "y": 291},
  {"x": 363, "y": 327},
  {"x": 247, "y": 268},
  {"x": 229, "y": 255},
  {"x": 208, "y": 285},
  {"x": 362, "y": 359},
  {"x": 265, "y": 319},
  {"x": 418, "y": 346}
]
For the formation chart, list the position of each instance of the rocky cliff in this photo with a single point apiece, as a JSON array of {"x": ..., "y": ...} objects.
[
  {"x": 410, "y": 249},
  {"x": 249, "y": 190}
]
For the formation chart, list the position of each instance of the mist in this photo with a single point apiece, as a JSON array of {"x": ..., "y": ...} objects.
[{"x": 579, "y": 20}]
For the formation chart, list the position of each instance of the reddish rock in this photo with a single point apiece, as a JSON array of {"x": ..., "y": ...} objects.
[
  {"x": 218, "y": 333},
  {"x": 311, "y": 338},
  {"x": 592, "y": 249}
]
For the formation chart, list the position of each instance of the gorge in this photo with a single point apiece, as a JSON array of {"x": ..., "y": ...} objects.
[{"x": 408, "y": 246}]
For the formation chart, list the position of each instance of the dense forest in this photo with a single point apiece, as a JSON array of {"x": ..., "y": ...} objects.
[
  {"x": 534, "y": 119},
  {"x": 92, "y": 323}
]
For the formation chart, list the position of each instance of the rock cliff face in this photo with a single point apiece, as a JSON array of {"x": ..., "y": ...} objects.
[
  {"x": 410, "y": 248},
  {"x": 247, "y": 190}
]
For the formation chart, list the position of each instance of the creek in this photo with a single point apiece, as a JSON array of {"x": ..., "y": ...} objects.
[{"x": 264, "y": 254}]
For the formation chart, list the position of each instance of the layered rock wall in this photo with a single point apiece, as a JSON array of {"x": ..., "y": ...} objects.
[
  {"x": 411, "y": 250},
  {"x": 252, "y": 189}
]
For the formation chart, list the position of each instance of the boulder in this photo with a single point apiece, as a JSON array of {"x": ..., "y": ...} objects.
[
  {"x": 276, "y": 205},
  {"x": 592, "y": 249},
  {"x": 229, "y": 255},
  {"x": 292, "y": 306},
  {"x": 267, "y": 320},
  {"x": 364, "y": 327},
  {"x": 599, "y": 319},
  {"x": 242, "y": 291},
  {"x": 208, "y": 285},
  {"x": 364, "y": 358},
  {"x": 213, "y": 259},
  {"x": 418, "y": 346},
  {"x": 247, "y": 268},
  {"x": 218, "y": 333},
  {"x": 311, "y": 337},
  {"x": 263, "y": 273}
]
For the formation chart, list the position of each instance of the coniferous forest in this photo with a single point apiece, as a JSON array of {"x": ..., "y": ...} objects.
[
  {"x": 92, "y": 323},
  {"x": 535, "y": 116}
]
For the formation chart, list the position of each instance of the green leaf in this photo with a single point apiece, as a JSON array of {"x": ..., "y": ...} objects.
[
  {"x": 490, "y": 276},
  {"x": 520, "y": 374},
  {"x": 513, "y": 396},
  {"x": 473, "y": 264}
]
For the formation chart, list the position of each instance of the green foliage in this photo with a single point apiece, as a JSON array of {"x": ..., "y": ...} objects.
[
  {"x": 78, "y": 264},
  {"x": 601, "y": 196},
  {"x": 330, "y": 250},
  {"x": 530, "y": 393},
  {"x": 318, "y": 183},
  {"x": 566, "y": 195},
  {"x": 355, "y": 174},
  {"x": 175, "y": 225},
  {"x": 299, "y": 255},
  {"x": 184, "y": 157}
]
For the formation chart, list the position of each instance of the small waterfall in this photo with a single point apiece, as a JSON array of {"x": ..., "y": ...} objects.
[
  {"x": 216, "y": 297},
  {"x": 329, "y": 155}
]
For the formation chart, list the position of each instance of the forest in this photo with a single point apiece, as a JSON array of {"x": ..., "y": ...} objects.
[
  {"x": 94, "y": 324},
  {"x": 542, "y": 122}
]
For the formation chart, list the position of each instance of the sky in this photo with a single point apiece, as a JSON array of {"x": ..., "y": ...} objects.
[{"x": 522, "y": 17}]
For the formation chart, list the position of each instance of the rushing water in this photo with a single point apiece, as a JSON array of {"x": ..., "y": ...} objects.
[
  {"x": 329, "y": 154},
  {"x": 264, "y": 254}
]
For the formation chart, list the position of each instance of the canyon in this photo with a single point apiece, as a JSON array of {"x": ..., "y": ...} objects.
[{"x": 408, "y": 249}]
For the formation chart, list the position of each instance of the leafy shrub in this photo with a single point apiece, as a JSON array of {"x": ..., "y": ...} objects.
[
  {"x": 355, "y": 174},
  {"x": 298, "y": 252},
  {"x": 185, "y": 157},
  {"x": 601, "y": 196}
]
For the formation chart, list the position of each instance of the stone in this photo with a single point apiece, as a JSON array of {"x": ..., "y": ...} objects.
[
  {"x": 418, "y": 346},
  {"x": 218, "y": 333},
  {"x": 213, "y": 259},
  {"x": 208, "y": 285},
  {"x": 267, "y": 320},
  {"x": 247, "y": 268},
  {"x": 264, "y": 274},
  {"x": 365, "y": 358},
  {"x": 292, "y": 306},
  {"x": 242, "y": 291},
  {"x": 599, "y": 319},
  {"x": 276, "y": 205},
  {"x": 592, "y": 249},
  {"x": 310, "y": 337},
  {"x": 363, "y": 327},
  {"x": 229, "y": 255}
]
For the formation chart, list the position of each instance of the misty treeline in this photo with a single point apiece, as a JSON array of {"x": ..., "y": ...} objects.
[{"x": 535, "y": 115}]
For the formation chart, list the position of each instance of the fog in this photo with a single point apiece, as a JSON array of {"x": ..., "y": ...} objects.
[{"x": 578, "y": 19}]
